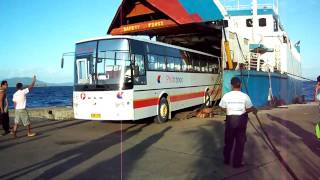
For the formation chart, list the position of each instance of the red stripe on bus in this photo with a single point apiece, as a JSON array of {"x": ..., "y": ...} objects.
[
  {"x": 186, "y": 96},
  {"x": 141, "y": 103},
  {"x": 145, "y": 102}
]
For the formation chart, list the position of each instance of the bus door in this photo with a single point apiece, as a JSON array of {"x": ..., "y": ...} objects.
[
  {"x": 83, "y": 71},
  {"x": 139, "y": 70}
]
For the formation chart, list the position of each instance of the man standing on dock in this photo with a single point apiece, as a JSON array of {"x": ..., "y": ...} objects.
[
  {"x": 4, "y": 106},
  {"x": 237, "y": 106},
  {"x": 20, "y": 101}
]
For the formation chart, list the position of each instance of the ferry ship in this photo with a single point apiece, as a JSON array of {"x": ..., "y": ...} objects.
[
  {"x": 264, "y": 56},
  {"x": 250, "y": 40}
]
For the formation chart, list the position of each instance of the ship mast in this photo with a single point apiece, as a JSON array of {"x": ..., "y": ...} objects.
[
  {"x": 276, "y": 6},
  {"x": 254, "y": 20}
]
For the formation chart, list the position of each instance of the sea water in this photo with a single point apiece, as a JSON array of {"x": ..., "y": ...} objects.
[
  {"x": 46, "y": 96},
  {"x": 62, "y": 96}
]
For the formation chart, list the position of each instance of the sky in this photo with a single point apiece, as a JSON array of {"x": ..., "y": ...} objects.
[{"x": 35, "y": 33}]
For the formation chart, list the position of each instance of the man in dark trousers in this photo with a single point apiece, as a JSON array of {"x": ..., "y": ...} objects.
[
  {"x": 237, "y": 106},
  {"x": 4, "y": 106}
]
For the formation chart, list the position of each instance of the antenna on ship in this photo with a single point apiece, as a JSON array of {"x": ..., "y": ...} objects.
[
  {"x": 276, "y": 6},
  {"x": 254, "y": 19}
]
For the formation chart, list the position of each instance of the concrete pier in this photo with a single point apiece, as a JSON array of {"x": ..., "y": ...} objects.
[
  {"x": 49, "y": 113},
  {"x": 177, "y": 150}
]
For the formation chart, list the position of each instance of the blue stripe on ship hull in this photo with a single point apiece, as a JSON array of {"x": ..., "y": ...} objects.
[{"x": 284, "y": 87}]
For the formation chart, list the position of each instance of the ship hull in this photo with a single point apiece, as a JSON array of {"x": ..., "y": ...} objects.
[{"x": 285, "y": 88}]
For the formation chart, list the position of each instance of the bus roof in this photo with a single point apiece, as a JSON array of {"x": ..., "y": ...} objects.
[{"x": 144, "y": 40}]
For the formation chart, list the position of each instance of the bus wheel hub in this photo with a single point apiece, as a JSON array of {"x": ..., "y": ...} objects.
[{"x": 163, "y": 110}]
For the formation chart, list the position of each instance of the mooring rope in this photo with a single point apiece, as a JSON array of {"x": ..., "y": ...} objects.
[{"x": 264, "y": 135}]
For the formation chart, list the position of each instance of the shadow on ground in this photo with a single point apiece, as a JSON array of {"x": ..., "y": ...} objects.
[
  {"x": 204, "y": 161},
  {"x": 52, "y": 127},
  {"x": 308, "y": 138},
  {"x": 70, "y": 158},
  {"x": 111, "y": 169},
  {"x": 261, "y": 163}
]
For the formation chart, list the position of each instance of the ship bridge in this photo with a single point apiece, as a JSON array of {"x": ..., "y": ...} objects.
[{"x": 193, "y": 24}]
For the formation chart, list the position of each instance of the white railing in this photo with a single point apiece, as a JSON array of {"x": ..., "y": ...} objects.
[
  {"x": 246, "y": 7},
  {"x": 254, "y": 62},
  {"x": 236, "y": 5}
]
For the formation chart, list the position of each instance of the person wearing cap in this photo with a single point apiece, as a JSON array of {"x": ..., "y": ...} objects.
[{"x": 237, "y": 105}]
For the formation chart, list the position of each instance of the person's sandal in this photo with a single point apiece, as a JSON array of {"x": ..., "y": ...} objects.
[{"x": 31, "y": 135}]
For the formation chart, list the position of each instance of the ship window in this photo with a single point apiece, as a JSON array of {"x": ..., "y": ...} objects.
[
  {"x": 262, "y": 22},
  {"x": 249, "y": 22},
  {"x": 275, "y": 23},
  {"x": 225, "y": 23},
  {"x": 285, "y": 39}
]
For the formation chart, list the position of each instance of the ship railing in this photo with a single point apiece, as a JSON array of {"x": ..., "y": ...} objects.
[
  {"x": 247, "y": 7},
  {"x": 254, "y": 62}
]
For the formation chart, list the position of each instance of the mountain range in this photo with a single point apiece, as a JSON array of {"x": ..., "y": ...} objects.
[{"x": 27, "y": 80}]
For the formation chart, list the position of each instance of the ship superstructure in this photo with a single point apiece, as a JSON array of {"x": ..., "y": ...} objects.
[{"x": 259, "y": 41}]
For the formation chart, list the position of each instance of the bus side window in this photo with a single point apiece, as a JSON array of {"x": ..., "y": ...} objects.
[
  {"x": 203, "y": 64},
  {"x": 196, "y": 65},
  {"x": 140, "y": 75},
  {"x": 161, "y": 63},
  {"x": 139, "y": 62},
  {"x": 170, "y": 63},
  {"x": 184, "y": 65},
  {"x": 156, "y": 62},
  {"x": 195, "y": 62},
  {"x": 213, "y": 65},
  {"x": 186, "y": 60},
  {"x": 210, "y": 66},
  {"x": 177, "y": 64},
  {"x": 152, "y": 62}
]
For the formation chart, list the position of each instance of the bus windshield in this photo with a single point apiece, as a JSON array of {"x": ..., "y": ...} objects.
[
  {"x": 109, "y": 64},
  {"x": 113, "y": 68}
]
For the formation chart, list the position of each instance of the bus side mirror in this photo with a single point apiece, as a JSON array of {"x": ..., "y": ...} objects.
[
  {"x": 66, "y": 54},
  {"x": 62, "y": 62},
  {"x": 136, "y": 71}
]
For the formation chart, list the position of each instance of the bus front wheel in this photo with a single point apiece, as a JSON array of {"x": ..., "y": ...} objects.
[
  {"x": 163, "y": 111},
  {"x": 207, "y": 99}
]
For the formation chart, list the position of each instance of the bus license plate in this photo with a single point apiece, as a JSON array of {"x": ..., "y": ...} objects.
[{"x": 95, "y": 116}]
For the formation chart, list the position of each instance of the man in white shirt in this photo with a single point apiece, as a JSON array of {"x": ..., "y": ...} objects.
[
  {"x": 20, "y": 101},
  {"x": 237, "y": 106}
]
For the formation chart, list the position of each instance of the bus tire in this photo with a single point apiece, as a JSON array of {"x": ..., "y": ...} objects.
[
  {"x": 163, "y": 111},
  {"x": 207, "y": 101}
]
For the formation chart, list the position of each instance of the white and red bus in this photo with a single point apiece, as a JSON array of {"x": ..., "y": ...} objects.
[{"x": 127, "y": 78}]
